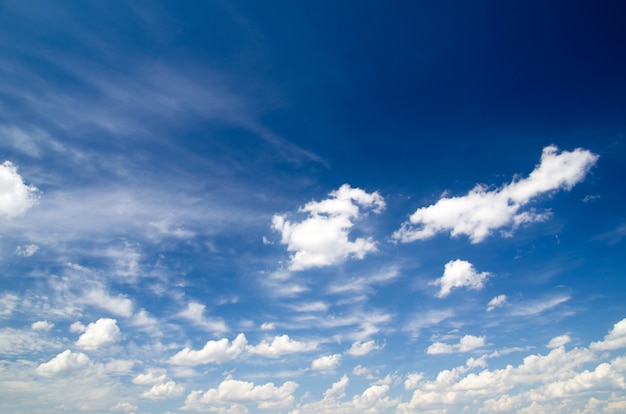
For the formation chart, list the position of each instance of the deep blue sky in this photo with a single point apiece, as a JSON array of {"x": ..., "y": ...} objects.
[{"x": 309, "y": 207}]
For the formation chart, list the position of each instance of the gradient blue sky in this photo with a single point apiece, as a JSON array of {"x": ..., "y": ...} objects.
[{"x": 308, "y": 207}]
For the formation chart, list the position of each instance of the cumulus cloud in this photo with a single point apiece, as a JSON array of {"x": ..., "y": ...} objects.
[
  {"x": 460, "y": 273},
  {"x": 118, "y": 305},
  {"x": 615, "y": 339},
  {"x": 326, "y": 363},
  {"x": 168, "y": 389},
  {"x": 466, "y": 344},
  {"x": 322, "y": 239},
  {"x": 496, "y": 302},
  {"x": 281, "y": 345},
  {"x": 359, "y": 348},
  {"x": 337, "y": 390},
  {"x": 15, "y": 196},
  {"x": 373, "y": 400},
  {"x": 27, "y": 250},
  {"x": 230, "y": 391},
  {"x": 558, "y": 341},
  {"x": 102, "y": 332},
  {"x": 195, "y": 313},
  {"x": 65, "y": 362},
  {"x": 42, "y": 326},
  {"x": 213, "y": 352},
  {"x": 483, "y": 210}
]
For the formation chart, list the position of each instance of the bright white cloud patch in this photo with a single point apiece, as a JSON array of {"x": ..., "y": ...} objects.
[
  {"x": 213, "y": 352},
  {"x": 229, "y": 392},
  {"x": 558, "y": 341},
  {"x": 326, "y": 363},
  {"x": 15, "y": 196},
  {"x": 482, "y": 210},
  {"x": 460, "y": 273},
  {"x": 42, "y": 326},
  {"x": 362, "y": 348},
  {"x": 195, "y": 313},
  {"x": 164, "y": 390},
  {"x": 281, "y": 345},
  {"x": 496, "y": 302},
  {"x": 322, "y": 239},
  {"x": 26, "y": 250},
  {"x": 466, "y": 344},
  {"x": 102, "y": 332},
  {"x": 67, "y": 361},
  {"x": 615, "y": 339}
]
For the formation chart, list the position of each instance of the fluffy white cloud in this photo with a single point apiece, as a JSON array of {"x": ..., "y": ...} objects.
[
  {"x": 322, "y": 239},
  {"x": 359, "y": 348},
  {"x": 164, "y": 390},
  {"x": 460, "y": 273},
  {"x": 213, "y": 352},
  {"x": 27, "y": 250},
  {"x": 496, "y": 302},
  {"x": 149, "y": 378},
  {"x": 42, "y": 326},
  {"x": 195, "y": 313},
  {"x": 558, "y": 341},
  {"x": 118, "y": 305},
  {"x": 482, "y": 210},
  {"x": 615, "y": 339},
  {"x": 326, "y": 363},
  {"x": 230, "y": 391},
  {"x": 337, "y": 390},
  {"x": 102, "y": 332},
  {"x": 466, "y": 344},
  {"x": 15, "y": 196},
  {"x": 77, "y": 327},
  {"x": 281, "y": 345},
  {"x": 65, "y": 362}
]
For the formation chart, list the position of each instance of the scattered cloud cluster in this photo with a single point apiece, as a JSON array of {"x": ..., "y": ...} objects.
[{"x": 15, "y": 196}]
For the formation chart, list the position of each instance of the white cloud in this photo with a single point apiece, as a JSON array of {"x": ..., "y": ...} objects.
[
  {"x": 268, "y": 326},
  {"x": 16, "y": 342},
  {"x": 466, "y": 344},
  {"x": 535, "y": 307},
  {"x": 15, "y": 196},
  {"x": 77, "y": 327},
  {"x": 482, "y": 210},
  {"x": 460, "y": 273},
  {"x": 615, "y": 339},
  {"x": 8, "y": 302},
  {"x": 412, "y": 380},
  {"x": 322, "y": 239},
  {"x": 118, "y": 305},
  {"x": 102, "y": 332},
  {"x": 496, "y": 302},
  {"x": 326, "y": 363},
  {"x": 27, "y": 250},
  {"x": 337, "y": 390},
  {"x": 558, "y": 341},
  {"x": 163, "y": 391},
  {"x": 65, "y": 362},
  {"x": 266, "y": 396},
  {"x": 195, "y": 313},
  {"x": 213, "y": 352},
  {"x": 426, "y": 319},
  {"x": 358, "y": 285},
  {"x": 149, "y": 378},
  {"x": 359, "y": 348},
  {"x": 281, "y": 345},
  {"x": 42, "y": 326},
  {"x": 125, "y": 407}
]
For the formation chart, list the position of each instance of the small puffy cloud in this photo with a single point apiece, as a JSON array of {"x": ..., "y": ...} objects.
[
  {"x": 27, "y": 250},
  {"x": 213, "y": 352},
  {"x": 412, "y": 380},
  {"x": 558, "y": 341},
  {"x": 496, "y": 302},
  {"x": 164, "y": 390},
  {"x": 195, "y": 313},
  {"x": 322, "y": 239},
  {"x": 149, "y": 378},
  {"x": 42, "y": 326},
  {"x": 15, "y": 196},
  {"x": 124, "y": 407},
  {"x": 266, "y": 396},
  {"x": 65, "y": 362},
  {"x": 326, "y": 363},
  {"x": 77, "y": 327},
  {"x": 466, "y": 344},
  {"x": 483, "y": 210},
  {"x": 460, "y": 273},
  {"x": 615, "y": 339},
  {"x": 359, "y": 348},
  {"x": 268, "y": 326},
  {"x": 102, "y": 332},
  {"x": 337, "y": 390},
  {"x": 281, "y": 345}
]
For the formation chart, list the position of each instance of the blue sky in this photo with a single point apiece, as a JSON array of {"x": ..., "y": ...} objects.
[{"x": 309, "y": 207}]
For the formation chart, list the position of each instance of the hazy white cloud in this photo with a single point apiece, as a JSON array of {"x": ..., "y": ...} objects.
[
  {"x": 42, "y": 326},
  {"x": 371, "y": 401},
  {"x": 77, "y": 327},
  {"x": 268, "y": 326},
  {"x": 326, "y": 363},
  {"x": 322, "y": 239},
  {"x": 17, "y": 342},
  {"x": 484, "y": 210},
  {"x": 149, "y": 378},
  {"x": 168, "y": 389},
  {"x": 8, "y": 302},
  {"x": 15, "y": 196},
  {"x": 195, "y": 313},
  {"x": 27, "y": 250},
  {"x": 538, "y": 306},
  {"x": 558, "y": 341},
  {"x": 412, "y": 380},
  {"x": 359, "y": 348},
  {"x": 460, "y": 273},
  {"x": 338, "y": 389},
  {"x": 124, "y": 407},
  {"x": 466, "y": 344},
  {"x": 65, "y": 362},
  {"x": 118, "y": 305},
  {"x": 426, "y": 319},
  {"x": 281, "y": 345},
  {"x": 266, "y": 396},
  {"x": 615, "y": 339},
  {"x": 496, "y": 302},
  {"x": 102, "y": 332},
  {"x": 213, "y": 352},
  {"x": 357, "y": 285}
]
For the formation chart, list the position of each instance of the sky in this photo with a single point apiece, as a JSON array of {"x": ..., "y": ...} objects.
[{"x": 312, "y": 207}]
